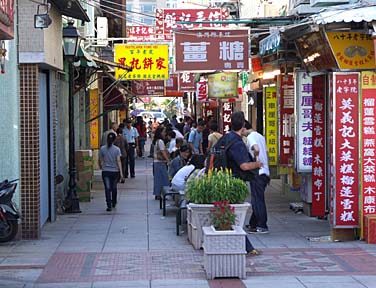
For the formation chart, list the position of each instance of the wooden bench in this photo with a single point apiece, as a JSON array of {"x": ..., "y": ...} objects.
[{"x": 166, "y": 190}]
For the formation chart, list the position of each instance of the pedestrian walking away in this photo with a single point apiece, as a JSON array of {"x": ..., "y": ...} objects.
[
  {"x": 110, "y": 163},
  {"x": 257, "y": 148},
  {"x": 141, "y": 129},
  {"x": 131, "y": 135},
  {"x": 122, "y": 143}
]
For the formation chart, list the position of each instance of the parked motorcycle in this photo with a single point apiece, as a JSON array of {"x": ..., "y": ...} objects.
[{"x": 9, "y": 213}]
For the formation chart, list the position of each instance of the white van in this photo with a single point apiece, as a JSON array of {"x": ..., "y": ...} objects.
[{"x": 150, "y": 115}]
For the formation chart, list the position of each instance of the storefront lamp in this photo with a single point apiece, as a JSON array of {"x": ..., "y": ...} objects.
[{"x": 71, "y": 40}]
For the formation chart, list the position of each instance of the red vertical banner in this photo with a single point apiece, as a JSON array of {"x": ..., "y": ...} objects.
[
  {"x": 368, "y": 153},
  {"x": 318, "y": 145},
  {"x": 202, "y": 90},
  {"x": 226, "y": 112},
  {"x": 286, "y": 118},
  {"x": 346, "y": 149}
]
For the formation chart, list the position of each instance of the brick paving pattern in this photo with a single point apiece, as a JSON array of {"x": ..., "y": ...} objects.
[{"x": 87, "y": 267}]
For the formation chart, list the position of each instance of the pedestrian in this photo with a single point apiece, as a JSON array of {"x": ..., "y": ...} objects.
[
  {"x": 179, "y": 161},
  {"x": 141, "y": 129},
  {"x": 131, "y": 135},
  {"x": 180, "y": 179},
  {"x": 174, "y": 121},
  {"x": 112, "y": 129},
  {"x": 154, "y": 125},
  {"x": 122, "y": 143},
  {"x": 110, "y": 163},
  {"x": 257, "y": 148},
  {"x": 195, "y": 138},
  {"x": 239, "y": 160},
  {"x": 160, "y": 162},
  {"x": 214, "y": 135}
]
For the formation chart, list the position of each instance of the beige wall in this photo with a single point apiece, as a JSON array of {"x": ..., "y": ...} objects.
[{"x": 40, "y": 46}]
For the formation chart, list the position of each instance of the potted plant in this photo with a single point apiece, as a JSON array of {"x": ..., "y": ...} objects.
[
  {"x": 215, "y": 186},
  {"x": 224, "y": 245}
]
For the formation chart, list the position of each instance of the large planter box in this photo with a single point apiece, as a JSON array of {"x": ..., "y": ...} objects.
[
  {"x": 224, "y": 252},
  {"x": 199, "y": 216}
]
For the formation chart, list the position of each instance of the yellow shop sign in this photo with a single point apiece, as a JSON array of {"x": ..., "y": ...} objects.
[{"x": 352, "y": 50}]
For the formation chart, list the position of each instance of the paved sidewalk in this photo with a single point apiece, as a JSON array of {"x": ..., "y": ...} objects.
[{"x": 134, "y": 246}]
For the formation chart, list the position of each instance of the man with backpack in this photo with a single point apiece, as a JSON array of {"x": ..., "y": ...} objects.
[{"x": 234, "y": 155}]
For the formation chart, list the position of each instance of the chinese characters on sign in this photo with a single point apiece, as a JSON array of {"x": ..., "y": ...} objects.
[
  {"x": 304, "y": 122},
  {"x": 167, "y": 20},
  {"x": 287, "y": 119},
  {"x": 346, "y": 210},
  {"x": 94, "y": 124},
  {"x": 271, "y": 124},
  {"x": 202, "y": 90},
  {"x": 352, "y": 50},
  {"x": 140, "y": 33},
  {"x": 200, "y": 50},
  {"x": 148, "y": 61},
  {"x": 148, "y": 88},
  {"x": 223, "y": 85},
  {"x": 368, "y": 122},
  {"x": 226, "y": 112},
  {"x": 186, "y": 81},
  {"x": 318, "y": 145}
]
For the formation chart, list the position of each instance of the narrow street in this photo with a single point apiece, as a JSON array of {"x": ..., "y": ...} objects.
[{"x": 134, "y": 246}]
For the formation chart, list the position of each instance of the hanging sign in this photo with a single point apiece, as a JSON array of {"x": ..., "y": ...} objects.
[
  {"x": 223, "y": 85},
  {"x": 226, "y": 117},
  {"x": 148, "y": 61},
  {"x": 346, "y": 149},
  {"x": 286, "y": 141},
  {"x": 202, "y": 90},
  {"x": 318, "y": 145},
  {"x": 368, "y": 144},
  {"x": 303, "y": 107},
  {"x": 186, "y": 81},
  {"x": 271, "y": 124},
  {"x": 94, "y": 124}
]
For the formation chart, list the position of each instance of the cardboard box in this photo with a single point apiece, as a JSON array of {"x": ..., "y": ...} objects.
[{"x": 370, "y": 229}]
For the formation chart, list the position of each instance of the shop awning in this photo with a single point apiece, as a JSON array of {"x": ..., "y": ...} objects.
[
  {"x": 71, "y": 8},
  {"x": 86, "y": 60},
  {"x": 113, "y": 98},
  {"x": 346, "y": 14}
]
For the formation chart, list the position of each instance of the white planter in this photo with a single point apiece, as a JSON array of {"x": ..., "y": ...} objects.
[
  {"x": 199, "y": 216},
  {"x": 224, "y": 252}
]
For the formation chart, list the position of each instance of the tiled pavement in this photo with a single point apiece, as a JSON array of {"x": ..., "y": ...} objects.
[{"x": 134, "y": 246}]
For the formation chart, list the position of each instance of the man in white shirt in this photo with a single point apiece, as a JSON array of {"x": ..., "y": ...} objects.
[
  {"x": 130, "y": 133},
  {"x": 180, "y": 179},
  {"x": 257, "y": 148}
]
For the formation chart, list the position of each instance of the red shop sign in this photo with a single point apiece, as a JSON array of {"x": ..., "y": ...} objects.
[
  {"x": 226, "y": 112},
  {"x": 168, "y": 20},
  {"x": 346, "y": 149},
  {"x": 286, "y": 143},
  {"x": 186, "y": 81},
  {"x": 211, "y": 49},
  {"x": 318, "y": 145}
]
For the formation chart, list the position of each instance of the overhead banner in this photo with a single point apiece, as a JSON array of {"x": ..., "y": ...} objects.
[
  {"x": 211, "y": 49},
  {"x": 303, "y": 129},
  {"x": 148, "y": 87},
  {"x": 148, "y": 61},
  {"x": 223, "y": 85},
  {"x": 168, "y": 20},
  {"x": 271, "y": 124},
  {"x": 318, "y": 145},
  {"x": 368, "y": 144},
  {"x": 286, "y": 139},
  {"x": 346, "y": 149},
  {"x": 352, "y": 50}
]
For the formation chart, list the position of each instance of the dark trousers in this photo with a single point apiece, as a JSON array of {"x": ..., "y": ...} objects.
[
  {"x": 141, "y": 146},
  {"x": 123, "y": 164},
  {"x": 259, "y": 215},
  {"x": 130, "y": 161},
  {"x": 110, "y": 180},
  {"x": 248, "y": 245}
]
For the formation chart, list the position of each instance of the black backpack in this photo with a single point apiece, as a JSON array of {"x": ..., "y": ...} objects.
[{"x": 217, "y": 157}]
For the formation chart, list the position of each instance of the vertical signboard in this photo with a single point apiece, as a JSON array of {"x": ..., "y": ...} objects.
[
  {"x": 271, "y": 124},
  {"x": 346, "y": 149},
  {"x": 318, "y": 146},
  {"x": 304, "y": 114},
  {"x": 94, "y": 125},
  {"x": 368, "y": 144},
  {"x": 226, "y": 112},
  {"x": 202, "y": 90},
  {"x": 286, "y": 119},
  {"x": 186, "y": 81}
]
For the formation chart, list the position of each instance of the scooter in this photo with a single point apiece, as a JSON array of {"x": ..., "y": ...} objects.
[{"x": 9, "y": 213}]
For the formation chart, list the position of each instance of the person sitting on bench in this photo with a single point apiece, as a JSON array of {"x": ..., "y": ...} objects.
[{"x": 191, "y": 170}]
